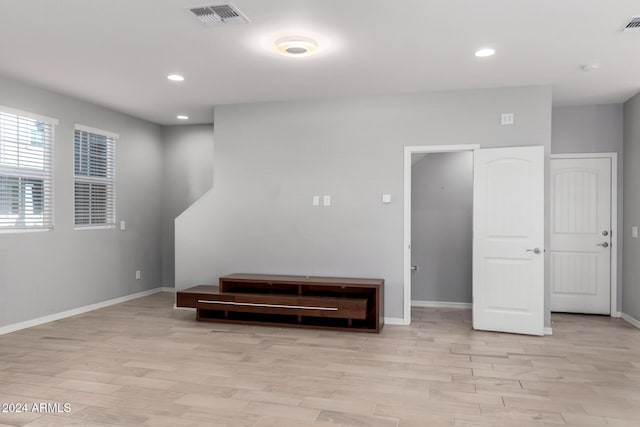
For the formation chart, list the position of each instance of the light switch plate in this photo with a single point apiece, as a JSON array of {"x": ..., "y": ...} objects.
[
  {"x": 326, "y": 200},
  {"x": 506, "y": 119},
  {"x": 634, "y": 231},
  {"x": 386, "y": 198},
  {"x": 123, "y": 225},
  {"x": 316, "y": 200}
]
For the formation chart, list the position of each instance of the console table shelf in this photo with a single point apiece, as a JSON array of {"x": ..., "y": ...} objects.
[{"x": 297, "y": 301}]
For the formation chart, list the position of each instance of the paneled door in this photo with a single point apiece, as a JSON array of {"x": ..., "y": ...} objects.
[
  {"x": 581, "y": 235},
  {"x": 508, "y": 243}
]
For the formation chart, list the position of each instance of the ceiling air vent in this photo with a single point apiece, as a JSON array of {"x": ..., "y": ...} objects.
[
  {"x": 633, "y": 26},
  {"x": 220, "y": 14}
]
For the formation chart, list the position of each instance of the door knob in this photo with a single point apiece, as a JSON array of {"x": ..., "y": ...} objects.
[
  {"x": 604, "y": 245},
  {"x": 605, "y": 233},
  {"x": 414, "y": 267},
  {"x": 535, "y": 250}
]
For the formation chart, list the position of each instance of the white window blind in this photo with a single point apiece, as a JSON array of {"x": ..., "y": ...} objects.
[
  {"x": 26, "y": 170},
  {"x": 94, "y": 177}
]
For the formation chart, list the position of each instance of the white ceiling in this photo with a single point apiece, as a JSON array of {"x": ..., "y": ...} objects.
[{"x": 117, "y": 53}]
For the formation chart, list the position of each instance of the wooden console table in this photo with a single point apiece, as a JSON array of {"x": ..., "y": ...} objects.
[{"x": 298, "y": 301}]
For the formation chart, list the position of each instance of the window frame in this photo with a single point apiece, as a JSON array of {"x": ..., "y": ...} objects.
[
  {"x": 114, "y": 137},
  {"x": 47, "y": 175}
]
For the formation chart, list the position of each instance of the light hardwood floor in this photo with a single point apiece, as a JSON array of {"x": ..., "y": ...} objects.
[{"x": 142, "y": 363}]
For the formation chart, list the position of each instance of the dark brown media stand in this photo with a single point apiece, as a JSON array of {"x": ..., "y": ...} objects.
[{"x": 298, "y": 301}]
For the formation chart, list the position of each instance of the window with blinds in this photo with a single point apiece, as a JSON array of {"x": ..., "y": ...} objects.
[
  {"x": 94, "y": 177},
  {"x": 26, "y": 170}
]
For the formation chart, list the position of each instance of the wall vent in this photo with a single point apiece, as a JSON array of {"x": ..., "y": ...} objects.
[
  {"x": 633, "y": 26},
  {"x": 219, "y": 14}
]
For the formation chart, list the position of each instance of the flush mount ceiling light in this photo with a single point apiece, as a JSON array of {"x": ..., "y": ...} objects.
[
  {"x": 483, "y": 53},
  {"x": 182, "y": 117},
  {"x": 175, "y": 77},
  {"x": 590, "y": 67},
  {"x": 296, "y": 46}
]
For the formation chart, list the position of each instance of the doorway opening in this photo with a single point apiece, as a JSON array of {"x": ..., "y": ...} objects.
[
  {"x": 442, "y": 229},
  {"x": 442, "y": 225},
  {"x": 508, "y": 237}
]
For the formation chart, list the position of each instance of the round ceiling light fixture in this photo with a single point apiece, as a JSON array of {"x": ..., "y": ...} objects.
[
  {"x": 591, "y": 67},
  {"x": 296, "y": 46},
  {"x": 483, "y": 53},
  {"x": 175, "y": 77},
  {"x": 182, "y": 117}
]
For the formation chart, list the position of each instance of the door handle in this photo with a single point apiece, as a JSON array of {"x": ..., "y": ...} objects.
[
  {"x": 604, "y": 245},
  {"x": 414, "y": 267},
  {"x": 535, "y": 250}
]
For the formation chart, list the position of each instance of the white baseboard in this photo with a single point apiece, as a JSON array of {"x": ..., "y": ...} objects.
[
  {"x": 74, "y": 312},
  {"x": 633, "y": 321},
  {"x": 616, "y": 314},
  {"x": 548, "y": 331},
  {"x": 440, "y": 304},
  {"x": 394, "y": 321},
  {"x": 167, "y": 289}
]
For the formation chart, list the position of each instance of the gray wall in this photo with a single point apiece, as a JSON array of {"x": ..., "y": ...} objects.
[
  {"x": 442, "y": 227},
  {"x": 188, "y": 174},
  {"x": 271, "y": 158},
  {"x": 49, "y": 272},
  {"x": 593, "y": 129},
  {"x": 631, "y": 264}
]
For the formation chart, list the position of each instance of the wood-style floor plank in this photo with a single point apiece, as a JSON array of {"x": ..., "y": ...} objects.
[{"x": 143, "y": 363}]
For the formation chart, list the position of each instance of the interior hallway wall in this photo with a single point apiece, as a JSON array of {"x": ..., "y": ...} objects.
[
  {"x": 188, "y": 174},
  {"x": 442, "y": 227},
  {"x": 631, "y": 262},
  {"x": 594, "y": 129}
]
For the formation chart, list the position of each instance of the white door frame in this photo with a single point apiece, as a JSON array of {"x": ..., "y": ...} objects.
[
  {"x": 408, "y": 151},
  {"x": 614, "y": 217}
]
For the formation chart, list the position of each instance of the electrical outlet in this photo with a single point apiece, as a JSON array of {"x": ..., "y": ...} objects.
[
  {"x": 138, "y": 275},
  {"x": 123, "y": 225},
  {"x": 634, "y": 232},
  {"x": 326, "y": 201},
  {"x": 316, "y": 200}
]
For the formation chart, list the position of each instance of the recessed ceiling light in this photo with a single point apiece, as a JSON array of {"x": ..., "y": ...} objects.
[
  {"x": 175, "y": 77},
  {"x": 485, "y": 52},
  {"x": 182, "y": 117},
  {"x": 296, "y": 46},
  {"x": 590, "y": 67}
]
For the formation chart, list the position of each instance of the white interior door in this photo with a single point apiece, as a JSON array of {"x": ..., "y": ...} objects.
[
  {"x": 581, "y": 235},
  {"x": 508, "y": 251}
]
